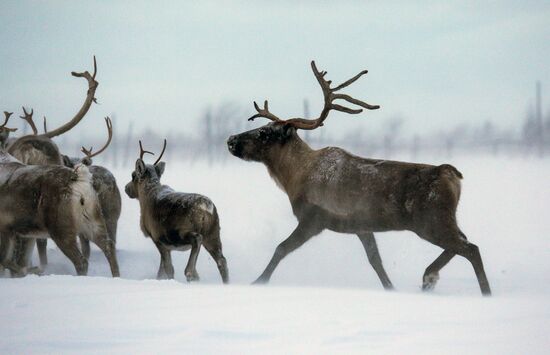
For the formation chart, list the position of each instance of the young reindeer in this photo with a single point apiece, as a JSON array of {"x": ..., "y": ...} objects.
[
  {"x": 333, "y": 189},
  {"x": 49, "y": 201},
  {"x": 175, "y": 220}
]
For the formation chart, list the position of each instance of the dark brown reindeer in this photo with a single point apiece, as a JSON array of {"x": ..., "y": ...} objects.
[
  {"x": 333, "y": 189},
  {"x": 175, "y": 220},
  {"x": 49, "y": 201},
  {"x": 105, "y": 186},
  {"x": 40, "y": 149}
]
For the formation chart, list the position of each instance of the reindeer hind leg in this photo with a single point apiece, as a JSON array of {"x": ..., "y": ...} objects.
[
  {"x": 214, "y": 248},
  {"x": 195, "y": 239}
]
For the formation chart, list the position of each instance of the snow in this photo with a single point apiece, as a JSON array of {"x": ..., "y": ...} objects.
[{"x": 323, "y": 298}]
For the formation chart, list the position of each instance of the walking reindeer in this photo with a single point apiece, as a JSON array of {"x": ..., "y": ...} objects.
[
  {"x": 104, "y": 184},
  {"x": 333, "y": 189},
  {"x": 49, "y": 201},
  {"x": 40, "y": 149},
  {"x": 175, "y": 220}
]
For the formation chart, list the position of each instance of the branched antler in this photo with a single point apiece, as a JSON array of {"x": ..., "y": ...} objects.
[
  {"x": 27, "y": 116},
  {"x": 45, "y": 125},
  {"x": 143, "y": 151},
  {"x": 90, "y": 98},
  {"x": 89, "y": 153},
  {"x": 330, "y": 96},
  {"x": 264, "y": 113},
  {"x": 7, "y": 118}
]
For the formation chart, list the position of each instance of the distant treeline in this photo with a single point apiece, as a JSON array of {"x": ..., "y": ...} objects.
[{"x": 530, "y": 138}]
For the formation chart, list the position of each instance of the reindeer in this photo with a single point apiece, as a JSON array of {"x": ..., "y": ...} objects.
[
  {"x": 49, "y": 201},
  {"x": 335, "y": 190},
  {"x": 175, "y": 220},
  {"x": 40, "y": 149},
  {"x": 105, "y": 186},
  {"x": 5, "y": 139}
]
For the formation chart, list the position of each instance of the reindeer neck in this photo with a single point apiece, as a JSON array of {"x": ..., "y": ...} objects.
[
  {"x": 285, "y": 163},
  {"x": 148, "y": 192}
]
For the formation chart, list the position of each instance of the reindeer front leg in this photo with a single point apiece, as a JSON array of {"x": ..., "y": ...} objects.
[
  {"x": 306, "y": 229},
  {"x": 6, "y": 252}
]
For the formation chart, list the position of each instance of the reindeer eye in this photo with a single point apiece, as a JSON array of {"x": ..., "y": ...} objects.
[{"x": 262, "y": 133}]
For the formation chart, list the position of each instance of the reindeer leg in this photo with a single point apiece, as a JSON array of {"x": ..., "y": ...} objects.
[
  {"x": 68, "y": 245},
  {"x": 6, "y": 249},
  {"x": 161, "y": 273},
  {"x": 8, "y": 254},
  {"x": 191, "y": 268},
  {"x": 41, "y": 245},
  {"x": 369, "y": 243},
  {"x": 24, "y": 257},
  {"x": 84, "y": 246},
  {"x": 166, "y": 269},
  {"x": 214, "y": 248},
  {"x": 431, "y": 275},
  {"x": 299, "y": 236},
  {"x": 471, "y": 252},
  {"x": 455, "y": 242},
  {"x": 108, "y": 248}
]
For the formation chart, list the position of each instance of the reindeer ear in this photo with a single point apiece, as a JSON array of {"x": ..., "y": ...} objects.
[
  {"x": 288, "y": 129},
  {"x": 159, "y": 167},
  {"x": 140, "y": 167},
  {"x": 87, "y": 161},
  {"x": 67, "y": 161}
]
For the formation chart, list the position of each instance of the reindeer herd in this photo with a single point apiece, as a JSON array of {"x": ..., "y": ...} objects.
[{"x": 45, "y": 194}]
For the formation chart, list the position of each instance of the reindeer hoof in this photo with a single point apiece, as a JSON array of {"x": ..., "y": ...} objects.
[
  {"x": 429, "y": 281},
  {"x": 36, "y": 270},
  {"x": 192, "y": 276},
  {"x": 260, "y": 281}
]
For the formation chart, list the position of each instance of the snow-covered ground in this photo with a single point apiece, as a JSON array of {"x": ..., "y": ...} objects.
[{"x": 323, "y": 298}]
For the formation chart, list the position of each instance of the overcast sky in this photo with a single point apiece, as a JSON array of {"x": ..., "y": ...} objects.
[{"x": 162, "y": 63}]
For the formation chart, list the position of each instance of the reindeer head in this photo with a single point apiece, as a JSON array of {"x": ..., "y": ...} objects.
[
  {"x": 72, "y": 162},
  {"x": 5, "y": 131},
  {"x": 254, "y": 144},
  {"x": 145, "y": 174}
]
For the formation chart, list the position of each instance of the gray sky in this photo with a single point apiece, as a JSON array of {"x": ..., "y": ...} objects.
[{"x": 162, "y": 63}]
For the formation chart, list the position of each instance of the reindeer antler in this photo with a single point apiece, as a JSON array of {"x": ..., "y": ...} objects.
[
  {"x": 161, "y": 153},
  {"x": 89, "y": 153},
  {"x": 90, "y": 98},
  {"x": 329, "y": 94},
  {"x": 7, "y": 118},
  {"x": 143, "y": 151},
  {"x": 27, "y": 116}
]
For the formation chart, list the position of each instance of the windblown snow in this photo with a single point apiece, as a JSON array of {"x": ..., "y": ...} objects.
[{"x": 323, "y": 298}]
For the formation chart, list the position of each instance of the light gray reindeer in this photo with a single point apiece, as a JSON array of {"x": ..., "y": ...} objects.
[
  {"x": 105, "y": 186},
  {"x": 333, "y": 189},
  {"x": 49, "y": 201},
  {"x": 175, "y": 220},
  {"x": 40, "y": 149}
]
